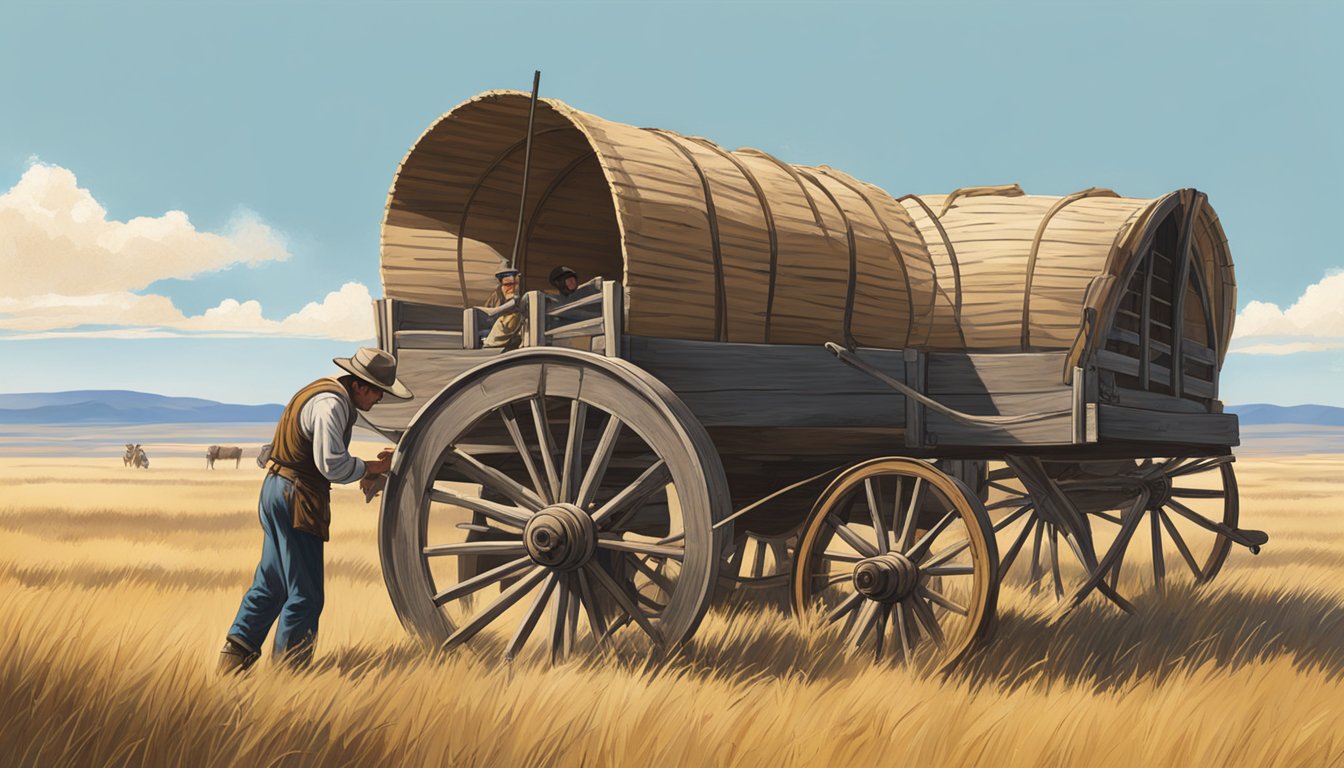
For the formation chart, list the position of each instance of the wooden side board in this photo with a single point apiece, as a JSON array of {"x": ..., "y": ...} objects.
[
  {"x": 757, "y": 385},
  {"x": 1116, "y": 422}
]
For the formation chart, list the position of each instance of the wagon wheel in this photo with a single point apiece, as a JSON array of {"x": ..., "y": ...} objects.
[
  {"x": 759, "y": 562},
  {"x": 1035, "y": 549},
  {"x": 1191, "y": 509},
  {"x": 1171, "y": 508},
  {"x": 592, "y": 475},
  {"x": 895, "y": 547}
]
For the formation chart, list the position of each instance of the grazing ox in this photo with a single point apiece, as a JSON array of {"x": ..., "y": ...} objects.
[
  {"x": 225, "y": 452},
  {"x": 129, "y": 456}
]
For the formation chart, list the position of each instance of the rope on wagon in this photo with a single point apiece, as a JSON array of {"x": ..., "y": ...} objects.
[{"x": 850, "y": 358}]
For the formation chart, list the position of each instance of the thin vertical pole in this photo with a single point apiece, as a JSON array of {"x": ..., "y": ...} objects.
[{"x": 527, "y": 164}]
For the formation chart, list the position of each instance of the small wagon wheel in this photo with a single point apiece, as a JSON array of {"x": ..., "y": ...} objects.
[
  {"x": 592, "y": 476},
  {"x": 895, "y": 547},
  {"x": 758, "y": 562}
]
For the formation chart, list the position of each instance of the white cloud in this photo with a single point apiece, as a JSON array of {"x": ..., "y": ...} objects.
[
  {"x": 56, "y": 238},
  {"x": 345, "y": 314},
  {"x": 1313, "y": 323},
  {"x": 69, "y": 271}
]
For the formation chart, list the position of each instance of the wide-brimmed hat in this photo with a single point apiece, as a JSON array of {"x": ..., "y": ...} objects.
[{"x": 376, "y": 367}]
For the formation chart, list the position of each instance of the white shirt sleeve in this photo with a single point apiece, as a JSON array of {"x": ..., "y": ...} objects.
[{"x": 323, "y": 420}]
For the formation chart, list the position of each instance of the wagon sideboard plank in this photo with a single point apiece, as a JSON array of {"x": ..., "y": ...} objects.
[
  {"x": 779, "y": 385},
  {"x": 1120, "y": 423}
]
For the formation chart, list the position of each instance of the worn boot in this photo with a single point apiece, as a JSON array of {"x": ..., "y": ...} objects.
[{"x": 235, "y": 657}]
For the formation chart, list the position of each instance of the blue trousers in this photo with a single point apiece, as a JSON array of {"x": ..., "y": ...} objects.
[{"x": 288, "y": 582}]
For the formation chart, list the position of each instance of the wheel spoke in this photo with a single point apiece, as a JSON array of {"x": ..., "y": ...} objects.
[
  {"x": 845, "y": 606},
  {"x": 880, "y": 631},
  {"x": 911, "y": 515},
  {"x": 1202, "y": 465},
  {"x": 475, "y": 471},
  {"x": 1198, "y": 493},
  {"x": 572, "y": 617},
  {"x": 850, "y": 537},
  {"x": 546, "y": 444},
  {"x": 875, "y": 512},
  {"x": 1108, "y": 517},
  {"x": 596, "y": 621},
  {"x": 492, "y": 611},
  {"x": 926, "y": 618},
  {"x": 1016, "y": 547},
  {"x": 573, "y": 461},
  {"x": 949, "y": 570},
  {"x": 1159, "y": 567},
  {"x": 643, "y": 548},
  {"x": 867, "y": 616},
  {"x": 903, "y": 633},
  {"x": 1054, "y": 561},
  {"x": 476, "y": 548},
  {"x": 1180, "y": 545},
  {"x": 605, "y": 581},
  {"x": 559, "y": 622},
  {"x": 1197, "y": 518},
  {"x": 513, "y": 516},
  {"x": 921, "y": 547},
  {"x": 481, "y": 580},
  {"x": 657, "y": 578},
  {"x": 633, "y": 496},
  {"x": 961, "y": 546},
  {"x": 516, "y": 434},
  {"x": 529, "y": 620},
  {"x": 843, "y": 557},
  {"x": 1034, "y": 577},
  {"x": 758, "y": 561},
  {"x": 597, "y": 466},
  {"x": 938, "y": 598}
]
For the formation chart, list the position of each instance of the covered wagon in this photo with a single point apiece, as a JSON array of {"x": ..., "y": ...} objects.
[{"x": 781, "y": 373}]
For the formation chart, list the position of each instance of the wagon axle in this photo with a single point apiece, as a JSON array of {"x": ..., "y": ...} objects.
[
  {"x": 887, "y": 578},
  {"x": 561, "y": 537}
]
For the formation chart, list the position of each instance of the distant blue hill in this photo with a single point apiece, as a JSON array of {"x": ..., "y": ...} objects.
[
  {"x": 1264, "y": 413},
  {"x": 115, "y": 406}
]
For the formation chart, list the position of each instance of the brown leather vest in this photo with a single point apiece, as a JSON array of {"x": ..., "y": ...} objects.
[{"x": 292, "y": 458}]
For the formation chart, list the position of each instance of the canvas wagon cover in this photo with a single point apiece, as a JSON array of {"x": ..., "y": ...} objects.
[{"x": 740, "y": 246}]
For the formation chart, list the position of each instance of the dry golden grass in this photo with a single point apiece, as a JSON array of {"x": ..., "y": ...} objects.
[{"x": 116, "y": 588}]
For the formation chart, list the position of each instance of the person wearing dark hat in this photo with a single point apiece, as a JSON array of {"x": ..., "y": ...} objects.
[
  {"x": 565, "y": 280},
  {"x": 310, "y": 452},
  {"x": 507, "y": 331}
]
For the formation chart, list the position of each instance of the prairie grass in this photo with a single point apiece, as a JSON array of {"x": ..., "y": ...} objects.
[{"x": 116, "y": 588}]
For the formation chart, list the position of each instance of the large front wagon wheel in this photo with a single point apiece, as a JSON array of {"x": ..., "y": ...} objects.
[
  {"x": 901, "y": 557},
  {"x": 556, "y": 489}
]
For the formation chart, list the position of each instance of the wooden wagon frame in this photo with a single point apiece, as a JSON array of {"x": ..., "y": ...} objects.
[{"x": 626, "y": 463}]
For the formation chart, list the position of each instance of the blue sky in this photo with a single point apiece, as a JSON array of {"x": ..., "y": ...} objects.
[{"x": 280, "y": 124}]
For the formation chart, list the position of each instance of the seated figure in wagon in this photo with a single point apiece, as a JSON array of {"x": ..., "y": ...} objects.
[{"x": 507, "y": 330}]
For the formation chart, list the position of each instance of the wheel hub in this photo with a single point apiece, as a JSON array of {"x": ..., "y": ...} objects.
[
  {"x": 1159, "y": 490},
  {"x": 887, "y": 578},
  {"x": 561, "y": 536}
]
